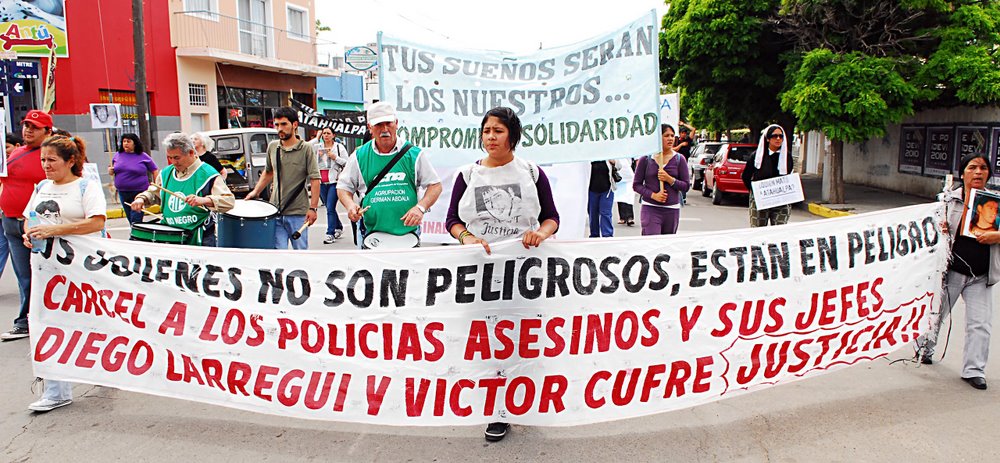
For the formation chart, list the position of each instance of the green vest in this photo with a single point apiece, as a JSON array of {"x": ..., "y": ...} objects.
[
  {"x": 395, "y": 194},
  {"x": 178, "y": 213}
]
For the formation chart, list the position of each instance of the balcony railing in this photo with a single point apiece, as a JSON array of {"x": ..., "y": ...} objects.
[{"x": 207, "y": 29}]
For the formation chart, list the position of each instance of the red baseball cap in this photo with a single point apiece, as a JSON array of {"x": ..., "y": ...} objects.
[{"x": 38, "y": 119}]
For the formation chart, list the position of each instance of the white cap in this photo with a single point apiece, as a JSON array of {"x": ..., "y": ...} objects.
[{"x": 381, "y": 112}]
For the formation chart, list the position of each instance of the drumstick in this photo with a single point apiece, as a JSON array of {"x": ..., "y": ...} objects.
[
  {"x": 158, "y": 216},
  {"x": 363, "y": 210},
  {"x": 298, "y": 233},
  {"x": 176, "y": 195}
]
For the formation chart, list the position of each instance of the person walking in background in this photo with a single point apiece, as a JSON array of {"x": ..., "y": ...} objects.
[
  {"x": 131, "y": 168},
  {"x": 24, "y": 171},
  {"x": 659, "y": 180},
  {"x": 331, "y": 156},
  {"x": 624, "y": 194},
  {"x": 66, "y": 204},
  {"x": 770, "y": 161},
  {"x": 203, "y": 146},
  {"x": 600, "y": 198}
]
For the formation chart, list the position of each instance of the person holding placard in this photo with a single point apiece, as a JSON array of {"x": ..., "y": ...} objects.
[
  {"x": 331, "y": 157},
  {"x": 973, "y": 269},
  {"x": 660, "y": 179},
  {"x": 132, "y": 168},
  {"x": 501, "y": 197},
  {"x": 771, "y": 160},
  {"x": 66, "y": 204}
]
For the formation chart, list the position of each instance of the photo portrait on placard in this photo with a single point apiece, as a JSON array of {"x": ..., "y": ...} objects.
[
  {"x": 982, "y": 214},
  {"x": 105, "y": 116}
]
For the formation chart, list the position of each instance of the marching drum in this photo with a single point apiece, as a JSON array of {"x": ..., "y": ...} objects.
[
  {"x": 380, "y": 240},
  {"x": 250, "y": 224},
  {"x": 160, "y": 233}
]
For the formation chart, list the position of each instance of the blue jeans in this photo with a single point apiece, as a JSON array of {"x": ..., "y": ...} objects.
[
  {"x": 328, "y": 194},
  {"x": 288, "y": 224},
  {"x": 4, "y": 253},
  {"x": 126, "y": 197},
  {"x": 20, "y": 259},
  {"x": 58, "y": 390},
  {"x": 599, "y": 208}
]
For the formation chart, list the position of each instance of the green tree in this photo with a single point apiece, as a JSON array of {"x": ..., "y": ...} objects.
[{"x": 965, "y": 67}]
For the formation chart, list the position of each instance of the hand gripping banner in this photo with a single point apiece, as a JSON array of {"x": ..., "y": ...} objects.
[{"x": 568, "y": 333}]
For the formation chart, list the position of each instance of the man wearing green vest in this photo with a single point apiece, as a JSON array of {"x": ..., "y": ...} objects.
[
  {"x": 392, "y": 206},
  {"x": 204, "y": 190}
]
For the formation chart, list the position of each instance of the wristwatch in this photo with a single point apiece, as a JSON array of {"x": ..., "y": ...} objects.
[
  {"x": 314, "y": 209},
  {"x": 422, "y": 209}
]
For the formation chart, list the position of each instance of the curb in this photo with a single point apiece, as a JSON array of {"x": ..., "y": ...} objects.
[{"x": 823, "y": 211}]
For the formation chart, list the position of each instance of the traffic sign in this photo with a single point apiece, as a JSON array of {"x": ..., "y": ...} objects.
[{"x": 361, "y": 58}]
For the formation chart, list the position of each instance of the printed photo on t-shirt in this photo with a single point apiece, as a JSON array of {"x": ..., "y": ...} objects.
[{"x": 500, "y": 202}]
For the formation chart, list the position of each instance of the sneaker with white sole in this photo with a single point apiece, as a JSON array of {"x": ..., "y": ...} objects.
[
  {"x": 337, "y": 234},
  {"x": 16, "y": 333},
  {"x": 495, "y": 432},
  {"x": 45, "y": 405},
  {"x": 329, "y": 239}
]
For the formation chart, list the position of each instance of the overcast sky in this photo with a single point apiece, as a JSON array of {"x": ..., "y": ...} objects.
[{"x": 513, "y": 25}]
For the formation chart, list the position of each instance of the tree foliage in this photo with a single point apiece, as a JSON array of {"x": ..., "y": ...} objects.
[{"x": 965, "y": 67}]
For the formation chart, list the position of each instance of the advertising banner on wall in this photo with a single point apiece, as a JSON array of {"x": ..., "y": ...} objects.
[
  {"x": 970, "y": 139},
  {"x": 912, "y": 146},
  {"x": 593, "y": 100},
  {"x": 940, "y": 159},
  {"x": 33, "y": 28},
  {"x": 568, "y": 333}
]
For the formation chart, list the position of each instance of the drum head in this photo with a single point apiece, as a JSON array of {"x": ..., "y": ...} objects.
[
  {"x": 252, "y": 209},
  {"x": 380, "y": 240},
  {"x": 158, "y": 227}
]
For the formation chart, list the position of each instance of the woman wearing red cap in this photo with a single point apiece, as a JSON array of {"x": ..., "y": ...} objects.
[{"x": 24, "y": 171}]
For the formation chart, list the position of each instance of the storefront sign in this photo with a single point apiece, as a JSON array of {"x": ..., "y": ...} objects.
[
  {"x": 912, "y": 146},
  {"x": 940, "y": 151},
  {"x": 597, "y": 99},
  {"x": 34, "y": 28},
  {"x": 361, "y": 58}
]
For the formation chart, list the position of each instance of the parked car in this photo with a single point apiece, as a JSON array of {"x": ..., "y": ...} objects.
[
  {"x": 724, "y": 176},
  {"x": 701, "y": 157},
  {"x": 232, "y": 147}
]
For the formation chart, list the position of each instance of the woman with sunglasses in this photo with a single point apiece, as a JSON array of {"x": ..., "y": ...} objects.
[{"x": 771, "y": 160}]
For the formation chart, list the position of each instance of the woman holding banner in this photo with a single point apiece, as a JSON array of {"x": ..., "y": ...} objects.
[
  {"x": 132, "y": 168},
  {"x": 65, "y": 204},
  {"x": 973, "y": 270},
  {"x": 501, "y": 197},
  {"x": 660, "y": 179}
]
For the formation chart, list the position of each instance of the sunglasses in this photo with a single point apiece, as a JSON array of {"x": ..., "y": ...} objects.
[{"x": 776, "y": 135}]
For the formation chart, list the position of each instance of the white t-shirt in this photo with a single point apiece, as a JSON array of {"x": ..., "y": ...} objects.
[
  {"x": 61, "y": 204},
  {"x": 351, "y": 180}
]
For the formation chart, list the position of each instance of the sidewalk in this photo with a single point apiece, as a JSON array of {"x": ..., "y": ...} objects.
[{"x": 860, "y": 199}]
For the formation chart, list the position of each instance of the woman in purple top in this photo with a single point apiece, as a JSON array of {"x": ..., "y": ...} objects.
[
  {"x": 501, "y": 197},
  {"x": 132, "y": 168},
  {"x": 659, "y": 180}
]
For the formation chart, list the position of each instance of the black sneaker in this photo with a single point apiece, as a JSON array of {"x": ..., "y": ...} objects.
[
  {"x": 926, "y": 359},
  {"x": 16, "y": 333},
  {"x": 496, "y": 431}
]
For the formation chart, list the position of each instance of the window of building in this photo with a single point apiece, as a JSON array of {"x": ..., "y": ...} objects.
[
  {"x": 207, "y": 9},
  {"x": 198, "y": 94},
  {"x": 298, "y": 23}
]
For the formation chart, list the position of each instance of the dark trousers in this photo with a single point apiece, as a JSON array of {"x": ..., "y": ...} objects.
[
  {"x": 20, "y": 259},
  {"x": 126, "y": 198},
  {"x": 625, "y": 212}
]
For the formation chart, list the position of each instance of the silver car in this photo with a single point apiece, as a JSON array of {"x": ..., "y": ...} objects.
[{"x": 700, "y": 159}]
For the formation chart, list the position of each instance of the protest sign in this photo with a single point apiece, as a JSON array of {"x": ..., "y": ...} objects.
[
  {"x": 105, "y": 116},
  {"x": 778, "y": 191},
  {"x": 981, "y": 216},
  {"x": 593, "y": 100},
  {"x": 670, "y": 110},
  {"x": 353, "y": 125},
  {"x": 568, "y": 333}
]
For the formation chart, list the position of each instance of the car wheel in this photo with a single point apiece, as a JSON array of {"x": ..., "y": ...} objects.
[{"x": 716, "y": 197}]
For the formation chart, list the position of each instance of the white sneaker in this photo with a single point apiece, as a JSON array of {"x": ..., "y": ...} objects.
[
  {"x": 337, "y": 234},
  {"x": 329, "y": 239},
  {"x": 45, "y": 405}
]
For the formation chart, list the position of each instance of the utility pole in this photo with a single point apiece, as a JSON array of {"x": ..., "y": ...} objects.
[{"x": 141, "y": 101}]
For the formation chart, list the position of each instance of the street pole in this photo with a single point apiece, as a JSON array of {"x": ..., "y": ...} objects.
[{"x": 141, "y": 102}]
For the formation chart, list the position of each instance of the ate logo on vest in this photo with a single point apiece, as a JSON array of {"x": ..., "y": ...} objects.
[
  {"x": 175, "y": 204},
  {"x": 395, "y": 176}
]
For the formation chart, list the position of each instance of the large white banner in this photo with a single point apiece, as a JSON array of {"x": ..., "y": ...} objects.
[
  {"x": 567, "y": 333},
  {"x": 593, "y": 100}
]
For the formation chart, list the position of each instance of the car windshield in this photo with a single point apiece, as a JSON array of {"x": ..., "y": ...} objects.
[
  {"x": 712, "y": 148},
  {"x": 741, "y": 153}
]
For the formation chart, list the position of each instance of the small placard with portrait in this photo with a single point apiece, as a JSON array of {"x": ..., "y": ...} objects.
[{"x": 982, "y": 214}]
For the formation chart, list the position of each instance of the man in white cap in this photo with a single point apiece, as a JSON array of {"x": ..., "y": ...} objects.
[{"x": 387, "y": 174}]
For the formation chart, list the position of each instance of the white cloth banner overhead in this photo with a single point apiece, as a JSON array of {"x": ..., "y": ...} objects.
[
  {"x": 569, "y": 191},
  {"x": 569, "y": 333},
  {"x": 593, "y": 100}
]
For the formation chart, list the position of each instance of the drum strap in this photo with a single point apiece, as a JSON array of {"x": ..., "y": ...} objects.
[{"x": 295, "y": 193}]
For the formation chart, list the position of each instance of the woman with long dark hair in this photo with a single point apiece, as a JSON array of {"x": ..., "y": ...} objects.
[
  {"x": 660, "y": 179},
  {"x": 972, "y": 272},
  {"x": 132, "y": 168}
]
